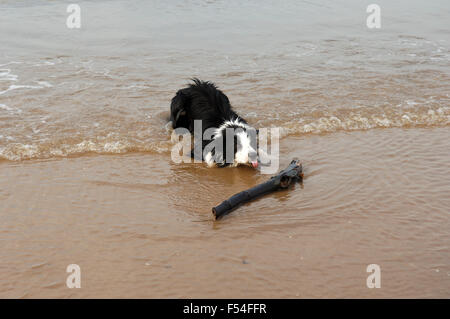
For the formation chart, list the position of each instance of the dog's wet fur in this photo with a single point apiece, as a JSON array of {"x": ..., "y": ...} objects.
[{"x": 203, "y": 101}]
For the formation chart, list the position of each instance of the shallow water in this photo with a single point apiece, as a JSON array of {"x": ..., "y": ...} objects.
[{"x": 86, "y": 175}]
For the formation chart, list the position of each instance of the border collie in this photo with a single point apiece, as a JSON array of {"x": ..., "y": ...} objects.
[{"x": 203, "y": 101}]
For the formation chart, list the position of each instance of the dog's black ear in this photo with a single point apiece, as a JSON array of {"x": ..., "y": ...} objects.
[{"x": 178, "y": 109}]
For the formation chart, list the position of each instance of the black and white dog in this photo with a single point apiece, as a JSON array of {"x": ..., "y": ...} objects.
[{"x": 204, "y": 102}]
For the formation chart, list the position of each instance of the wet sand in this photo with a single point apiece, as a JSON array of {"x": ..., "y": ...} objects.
[{"x": 139, "y": 226}]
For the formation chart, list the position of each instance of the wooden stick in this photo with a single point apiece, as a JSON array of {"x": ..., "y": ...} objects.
[{"x": 283, "y": 179}]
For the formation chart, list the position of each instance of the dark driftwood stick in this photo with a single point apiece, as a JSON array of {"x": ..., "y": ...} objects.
[{"x": 283, "y": 179}]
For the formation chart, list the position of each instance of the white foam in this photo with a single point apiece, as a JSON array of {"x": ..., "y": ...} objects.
[
  {"x": 6, "y": 75},
  {"x": 368, "y": 118},
  {"x": 44, "y": 63},
  {"x": 5, "y": 107},
  {"x": 10, "y": 109},
  {"x": 311, "y": 122},
  {"x": 12, "y": 62},
  {"x": 45, "y": 84},
  {"x": 16, "y": 87}
]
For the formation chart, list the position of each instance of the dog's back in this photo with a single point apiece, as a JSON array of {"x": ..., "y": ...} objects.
[{"x": 203, "y": 101}]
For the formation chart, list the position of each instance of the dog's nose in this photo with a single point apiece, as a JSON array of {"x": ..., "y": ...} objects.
[{"x": 253, "y": 159}]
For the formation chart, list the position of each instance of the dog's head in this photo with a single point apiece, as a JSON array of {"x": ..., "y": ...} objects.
[{"x": 235, "y": 143}]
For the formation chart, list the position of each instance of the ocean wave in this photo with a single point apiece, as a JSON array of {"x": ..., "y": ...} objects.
[
  {"x": 22, "y": 151},
  {"x": 15, "y": 87},
  {"x": 315, "y": 122},
  {"x": 365, "y": 119},
  {"x": 6, "y": 75},
  {"x": 10, "y": 109}
]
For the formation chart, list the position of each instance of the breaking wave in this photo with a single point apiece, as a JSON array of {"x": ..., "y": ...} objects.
[
  {"x": 365, "y": 119},
  {"x": 19, "y": 151},
  {"x": 315, "y": 122}
]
